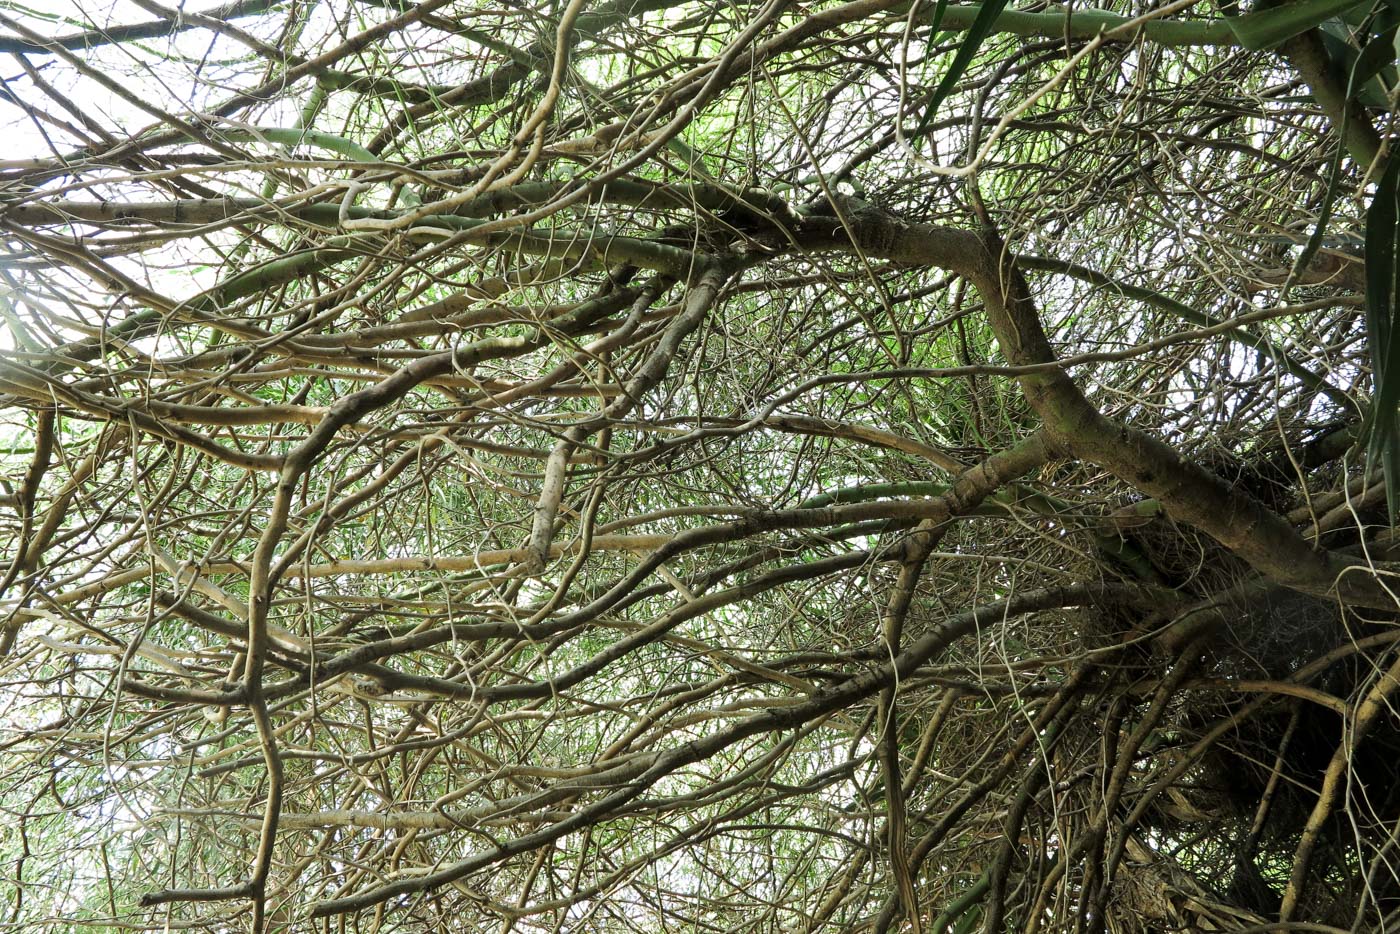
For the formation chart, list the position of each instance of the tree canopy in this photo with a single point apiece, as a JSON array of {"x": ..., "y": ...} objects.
[{"x": 671, "y": 465}]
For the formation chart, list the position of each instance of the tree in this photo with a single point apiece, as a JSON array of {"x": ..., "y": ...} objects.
[{"x": 670, "y": 465}]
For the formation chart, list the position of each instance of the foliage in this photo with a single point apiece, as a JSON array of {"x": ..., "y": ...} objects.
[{"x": 668, "y": 465}]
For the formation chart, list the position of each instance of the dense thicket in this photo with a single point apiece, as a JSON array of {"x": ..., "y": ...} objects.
[{"x": 670, "y": 465}]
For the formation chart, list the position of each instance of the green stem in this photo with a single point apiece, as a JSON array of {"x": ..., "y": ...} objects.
[{"x": 961, "y": 905}]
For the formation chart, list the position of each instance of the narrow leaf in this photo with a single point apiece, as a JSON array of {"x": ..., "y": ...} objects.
[
  {"x": 972, "y": 41},
  {"x": 1383, "y": 443}
]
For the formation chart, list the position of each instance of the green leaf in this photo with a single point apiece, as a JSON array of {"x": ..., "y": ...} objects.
[
  {"x": 1362, "y": 68},
  {"x": 976, "y": 35},
  {"x": 1368, "y": 68},
  {"x": 1383, "y": 442},
  {"x": 1264, "y": 29},
  {"x": 1377, "y": 60}
]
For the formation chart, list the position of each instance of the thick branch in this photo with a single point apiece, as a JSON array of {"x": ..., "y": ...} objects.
[{"x": 1189, "y": 492}]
